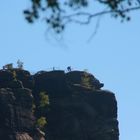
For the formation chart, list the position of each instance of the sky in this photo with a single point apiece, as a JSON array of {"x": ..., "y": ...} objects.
[{"x": 112, "y": 55}]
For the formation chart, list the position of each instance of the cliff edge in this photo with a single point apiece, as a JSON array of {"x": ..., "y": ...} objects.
[{"x": 55, "y": 105}]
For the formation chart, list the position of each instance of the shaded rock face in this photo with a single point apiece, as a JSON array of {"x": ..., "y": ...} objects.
[
  {"x": 86, "y": 116},
  {"x": 78, "y": 108},
  {"x": 16, "y": 76},
  {"x": 47, "y": 81},
  {"x": 17, "y": 121},
  {"x": 15, "y": 112},
  {"x": 25, "y": 77},
  {"x": 77, "y": 77},
  {"x": 5, "y": 78}
]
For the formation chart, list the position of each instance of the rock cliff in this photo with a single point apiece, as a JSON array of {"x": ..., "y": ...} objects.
[{"x": 55, "y": 105}]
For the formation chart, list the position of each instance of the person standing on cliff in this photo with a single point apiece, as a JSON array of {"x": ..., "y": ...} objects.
[{"x": 69, "y": 68}]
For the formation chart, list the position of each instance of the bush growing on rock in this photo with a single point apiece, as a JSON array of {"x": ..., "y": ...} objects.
[
  {"x": 85, "y": 80},
  {"x": 44, "y": 99},
  {"x": 41, "y": 122}
]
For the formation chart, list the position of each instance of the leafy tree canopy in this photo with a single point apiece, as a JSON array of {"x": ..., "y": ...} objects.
[{"x": 58, "y": 13}]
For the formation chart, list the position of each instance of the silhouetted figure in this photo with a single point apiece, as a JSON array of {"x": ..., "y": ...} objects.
[{"x": 69, "y": 68}]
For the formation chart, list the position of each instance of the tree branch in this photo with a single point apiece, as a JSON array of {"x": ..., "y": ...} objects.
[{"x": 89, "y": 16}]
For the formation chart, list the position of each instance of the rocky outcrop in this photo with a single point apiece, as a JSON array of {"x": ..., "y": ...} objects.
[
  {"x": 25, "y": 77},
  {"x": 17, "y": 121},
  {"x": 80, "y": 77},
  {"x": 78, "y": 109},
  {"x": 15, "y": 112}
]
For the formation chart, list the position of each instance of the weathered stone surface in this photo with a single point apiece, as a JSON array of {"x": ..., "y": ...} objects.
[
  {"x": 78, "y": 108},
  {"x": 15, "y": 112},
  {"x": 76, "y": 77},
  {"x": 77, "y": 111},
  {"x": 86, "y": 116},
  {"x": 23, "y": 136},
  {"x": 6, "y": 76},
  {"x": 25, "y": 77},
  {"x": 15, "y": 84}
]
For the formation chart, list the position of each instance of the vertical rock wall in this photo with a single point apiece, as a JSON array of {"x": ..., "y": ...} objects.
[{"x": 78, "y": 108}]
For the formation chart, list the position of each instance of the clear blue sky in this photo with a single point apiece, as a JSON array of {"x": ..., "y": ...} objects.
[{"x": 113, "y": 55}]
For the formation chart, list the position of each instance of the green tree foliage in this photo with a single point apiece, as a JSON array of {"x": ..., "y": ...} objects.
[
  {"x": 44, "y": 99},
  {"x": 41, "y": 122},
  {"x": 58, "y": 13}
]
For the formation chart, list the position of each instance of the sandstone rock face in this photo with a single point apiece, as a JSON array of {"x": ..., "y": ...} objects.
[
  {"x": 15, "y": 112},
  {"x": 17, "y": 121},
  {"x": 78, "y": 108},
  {"x": 80, "y": 77},
  {"x": 25, "y": 77},
  {"x": 5, "y": 78}
]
